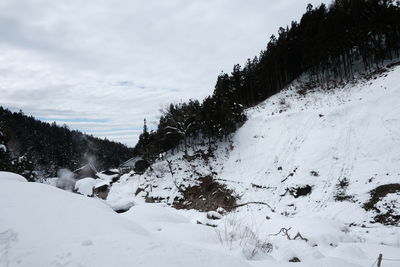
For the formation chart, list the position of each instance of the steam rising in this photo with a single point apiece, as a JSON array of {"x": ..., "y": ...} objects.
[{"x": 66, "y": 180}]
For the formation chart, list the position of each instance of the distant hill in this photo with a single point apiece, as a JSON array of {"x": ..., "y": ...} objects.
[{"x": 35, "y": 148}]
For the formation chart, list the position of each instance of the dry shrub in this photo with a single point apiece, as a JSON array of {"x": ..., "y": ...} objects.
[{"x": 235, "y": 233}]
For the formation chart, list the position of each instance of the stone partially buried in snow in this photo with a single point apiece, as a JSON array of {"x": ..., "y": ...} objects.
[{"x": 213, "y": 215}]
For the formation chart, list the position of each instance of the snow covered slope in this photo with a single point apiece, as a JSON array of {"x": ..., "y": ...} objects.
[
  {"x": 338, "y": 144},
  {"x": 327, "y": 163},
  {"x": 343, "y": 143},
  {"x": 41, "y": 225}
]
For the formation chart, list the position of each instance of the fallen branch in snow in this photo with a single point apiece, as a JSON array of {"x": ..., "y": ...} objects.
[
  {"x": 225, "y": 180},
  {"x": 285, "y": 232},
  {"x": 248, "y": 203},
  {"x": 298, "y": 235},
  {"x": 290, "y": 175}
]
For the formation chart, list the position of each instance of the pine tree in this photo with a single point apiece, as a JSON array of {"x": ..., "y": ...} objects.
[{"x": 5, "y": 159}]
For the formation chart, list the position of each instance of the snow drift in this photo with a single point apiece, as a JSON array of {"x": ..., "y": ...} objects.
[{"x": 41, "y": 225}]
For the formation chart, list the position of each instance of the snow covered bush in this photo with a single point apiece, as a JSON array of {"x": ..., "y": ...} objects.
[{"x": 235, "y": 234}]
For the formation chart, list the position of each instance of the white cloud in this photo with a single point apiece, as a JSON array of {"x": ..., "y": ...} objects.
[{"x": 121, "y": 61}]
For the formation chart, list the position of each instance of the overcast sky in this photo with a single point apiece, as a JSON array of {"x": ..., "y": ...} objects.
[{"x": 102, "y": 66}]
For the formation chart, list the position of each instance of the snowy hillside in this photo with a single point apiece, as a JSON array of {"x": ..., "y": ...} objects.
[
  {"x": 321, "y": 161},
  {"x": 310, "y": 180},
  {"x": 342, "y": 143}
]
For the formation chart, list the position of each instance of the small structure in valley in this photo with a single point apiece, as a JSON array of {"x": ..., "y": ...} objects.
[
  {"x": 136, "y": 164},
  {"x": 88, "y": 170}
]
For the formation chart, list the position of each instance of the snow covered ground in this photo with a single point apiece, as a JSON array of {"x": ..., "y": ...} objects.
[
  {"x": 313, "y": 158},
  {"x": 44, "y": 226},
  {"x": 339, "y": 144},
  {"x": 41, "y": 225}
]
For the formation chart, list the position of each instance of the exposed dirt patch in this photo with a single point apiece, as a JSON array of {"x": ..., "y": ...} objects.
[
  {"x": 393, "y": 64},
  {"x": 258, "y": 186},
  {"x": 377, "y": 195},
  {"x": 343, "y": 197},
  {"x": 209, "y": 195},
  {"x": 373, "y": 75},
  {"x": 141, "y": 166},
  {"x": 388, "y": 219},
  {"x": 204, "y": 155},
  {"x": 149, "y": 199},
  {"x": 306, "y": 87},
  {"x": 300, "y": 191}
]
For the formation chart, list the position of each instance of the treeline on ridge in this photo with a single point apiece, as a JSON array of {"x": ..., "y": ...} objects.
[
  {"x": 335, "y": 43},
  {"x": 328, "y": 44},
  {"x": 34, "y": 148}
]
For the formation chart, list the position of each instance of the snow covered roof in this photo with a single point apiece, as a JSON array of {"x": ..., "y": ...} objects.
[
  {"x": 88, "y": 165},
  {"x": 102, "y": 183},
  {"x": 130, "y": 162}
]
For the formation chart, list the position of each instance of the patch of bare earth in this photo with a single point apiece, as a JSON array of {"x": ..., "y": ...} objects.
[
  {"x": 388, "y": 217},
  {"x": 208, "y": 195}
]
